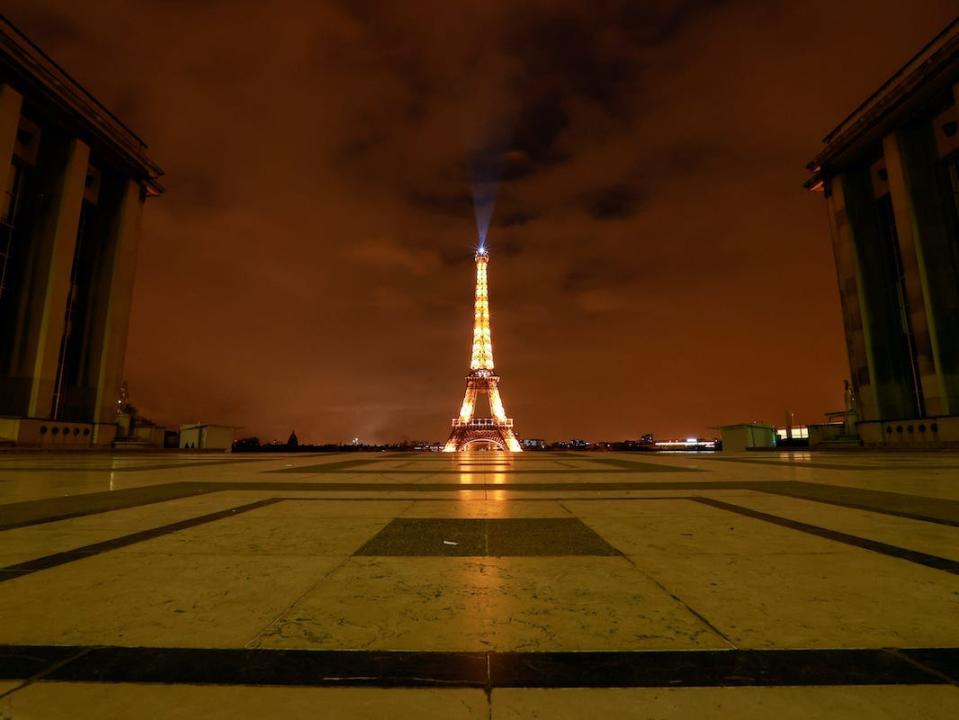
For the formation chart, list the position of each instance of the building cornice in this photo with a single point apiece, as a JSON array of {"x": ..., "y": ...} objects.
[
  {"x": 30, "y": 65},
  {"x": 876, "y": 115}
]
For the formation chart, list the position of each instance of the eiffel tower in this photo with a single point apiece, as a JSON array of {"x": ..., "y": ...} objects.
[{"x": 468, "y": 430}]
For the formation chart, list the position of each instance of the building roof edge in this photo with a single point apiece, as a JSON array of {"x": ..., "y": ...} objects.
[
  {"x": 25, "y": 56},
  {"x": 928, "y": 62}
]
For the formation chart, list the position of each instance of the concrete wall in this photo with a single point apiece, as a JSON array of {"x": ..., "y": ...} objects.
[
  {"x": 825, "y": 433},
  {"x": 739, "y": 438},
  {"x": 207, "y": 437},
  {"x": 46, "y": 433},
  {"x": 916, "y": 433},
  {"x": 149, "y": 434}
]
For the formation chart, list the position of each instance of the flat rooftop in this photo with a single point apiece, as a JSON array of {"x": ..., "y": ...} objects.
[{"x": 479, "y": 585}]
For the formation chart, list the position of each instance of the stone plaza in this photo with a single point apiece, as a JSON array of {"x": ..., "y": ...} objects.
[{"x": 477, "y": 585}]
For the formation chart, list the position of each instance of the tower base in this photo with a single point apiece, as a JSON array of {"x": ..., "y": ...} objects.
[{"x": 466, "y": 435}]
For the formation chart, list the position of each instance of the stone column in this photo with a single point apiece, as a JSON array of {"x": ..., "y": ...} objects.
[
  {"x": 847, "y": 274},
  {"x": 10, "y": 102},
  {"x": 125, "y": 240},
  {"x": 880, "y": 303},
  {"x": 922, "y": 196},
  {"x": 913, "y": 276},
  {"x": 60, "y": 229}
]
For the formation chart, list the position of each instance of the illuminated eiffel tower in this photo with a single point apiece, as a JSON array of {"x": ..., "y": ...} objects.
[{"x": 468, "y": 430}]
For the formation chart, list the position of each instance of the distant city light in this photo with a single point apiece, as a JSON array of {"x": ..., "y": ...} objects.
[
  {"x": 797, "y": 432},
  {"x": 689, "y": 443}
]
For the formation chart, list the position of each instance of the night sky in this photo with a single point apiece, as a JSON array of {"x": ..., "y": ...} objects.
[{"x": 656, "y": 264}]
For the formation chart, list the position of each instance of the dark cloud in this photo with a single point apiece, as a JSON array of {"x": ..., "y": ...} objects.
[
  {"x": 527, "y": 142},
  {"x": 654, "y": 23},
  {"x": 515, "y": 164},
  {"x": 595, "y": 273},
  {"x": 197, "y": 190},
  {"x": 613, "y": 202},
  {"x": 695, "y": 156},
  {"x": 535, "y": 131},
  {"x": 566, "y": 54},
  {"x": 457, "y": 206},
  {"x": 509, "y": 247},
  {"x": 511, "y": 219}
]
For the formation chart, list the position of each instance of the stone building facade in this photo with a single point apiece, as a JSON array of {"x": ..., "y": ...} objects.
[{"x": 73, "y": 182}]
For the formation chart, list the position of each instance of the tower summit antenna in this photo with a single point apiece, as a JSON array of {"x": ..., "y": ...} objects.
[{"x": 482, "y": 379}]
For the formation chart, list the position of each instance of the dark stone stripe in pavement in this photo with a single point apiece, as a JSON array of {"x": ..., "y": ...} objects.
[
  {"x": 53, "y": 470},
  {"x": 668, "y": 668},
  {"x": 467, "y": 470},
  {"x": 19, "y": 662},
  {"x": 62, "y": 558},
  {"x": 277, "y": 667},
  {"x": 705, "y": 668},
  {"x": 338, "y": 466},
  {"x": 640, "y": 466},
  {"x": 47, "y": 510},
  {"x": 486, "y": 537},
  {"x": 387, "y": 487},
  {"x": 37, "y": 512},
  {"x": 913, "y": 507},
  {"x": 944, "y": 661},
  {"x": 817, "y": 465},
  {"x": 914, "y": 556},
  {"x": 551, "y": 499}
]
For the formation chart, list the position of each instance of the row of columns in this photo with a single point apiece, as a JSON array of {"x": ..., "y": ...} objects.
[
  {"x": 54, "y": 242},
  {"x": 925, "y": 246}
]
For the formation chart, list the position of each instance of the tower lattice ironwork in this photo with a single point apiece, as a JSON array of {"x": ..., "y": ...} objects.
[{"x": 468, "y": 429}]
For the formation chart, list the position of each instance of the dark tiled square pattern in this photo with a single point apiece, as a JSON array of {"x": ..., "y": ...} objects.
[{"x": 501, "y": 537}]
